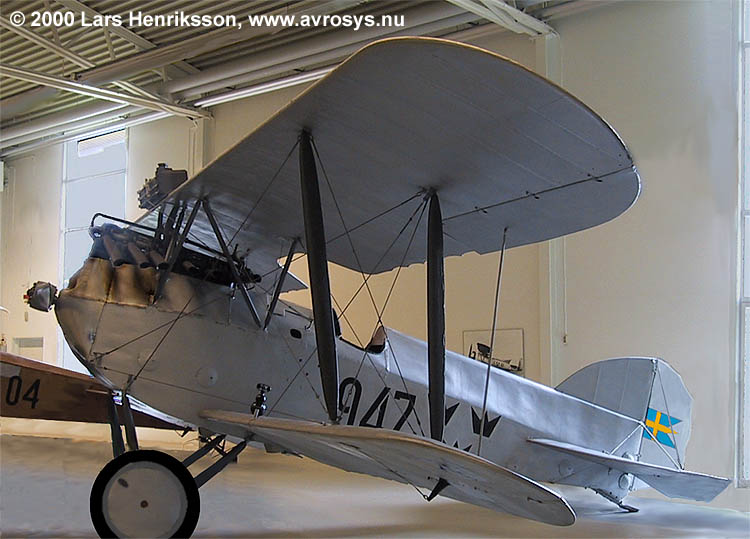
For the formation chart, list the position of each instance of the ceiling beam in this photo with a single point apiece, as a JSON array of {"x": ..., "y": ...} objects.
[
  {"x": 99, "y": 93},
  {"x": 201, "y": 44},
  {"x": 506, "y": 16},
  {"x": 70, "y": 56},
  {"x": 125, "y": 33}
]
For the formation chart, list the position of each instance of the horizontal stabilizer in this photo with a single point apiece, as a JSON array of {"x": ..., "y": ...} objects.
[
  {"x": 669, "y": 481},
  {"x": 408, "y": 458}
]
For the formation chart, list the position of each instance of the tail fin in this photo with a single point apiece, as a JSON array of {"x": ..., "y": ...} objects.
[{"x": 646, "y": 389}]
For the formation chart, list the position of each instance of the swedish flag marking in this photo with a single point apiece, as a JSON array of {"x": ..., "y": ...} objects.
[{"x": 660, "y": 425}]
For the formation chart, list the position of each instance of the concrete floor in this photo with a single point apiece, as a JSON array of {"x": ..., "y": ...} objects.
[{"x": 45, "y": 483}]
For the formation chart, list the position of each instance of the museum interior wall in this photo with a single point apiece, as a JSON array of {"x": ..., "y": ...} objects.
[
  {"x": 657, "y": 281},
  {"x": 660, "y": 279}
]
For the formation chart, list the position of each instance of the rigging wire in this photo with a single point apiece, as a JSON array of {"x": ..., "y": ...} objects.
[
  {"x": 302, "y": 367},
  {"x": 263, "y": 193},
  {"x": 171, "y": 327},
  {"x": 492, "y": 340},
  {"x": 360, "y": 225},
  {"x": 157, "y": 328},
  {"x": 347, "y": 232}
]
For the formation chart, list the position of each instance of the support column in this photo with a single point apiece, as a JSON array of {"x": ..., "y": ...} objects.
[
  {"x": 317, "y": 263},
  {"x": 436, "y": 318},
  {"x": 552, "y": 301}
]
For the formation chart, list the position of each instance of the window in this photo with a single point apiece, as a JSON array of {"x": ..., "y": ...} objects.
[
  {"x": 744, "y": 430},
  {"x": 94, "y": 180}
]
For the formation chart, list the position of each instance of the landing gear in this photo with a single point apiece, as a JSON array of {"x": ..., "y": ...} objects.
[{"x": 145, "y": 494}]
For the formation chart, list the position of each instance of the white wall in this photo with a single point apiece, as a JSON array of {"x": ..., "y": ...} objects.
[
  {"x": 30, "y": 247},
  {"x": 659, "y": 280}
]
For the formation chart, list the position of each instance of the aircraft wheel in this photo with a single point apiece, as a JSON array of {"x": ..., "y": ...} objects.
[{"x": 144, "y": 494}]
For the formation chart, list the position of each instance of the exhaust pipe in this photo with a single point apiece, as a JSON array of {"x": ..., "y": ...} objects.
[{"x": 138, "y": 256}]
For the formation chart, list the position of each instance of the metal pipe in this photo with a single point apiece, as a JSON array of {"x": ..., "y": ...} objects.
[
  {"x": 320, "y": 287},
  {"x": 15, "y": 105},
  {"x": 298, "y": 63},
  {"x": 202, "y": 451},
  {"x": 244, "y": 92},
  {"x": 230, "y": 261},
  {"x": 67, "y": 54},
  {"x": 506, "y": 16},
  {"x": 114, "y": 252},
  {"x": 219, "y": 465},
  {"x": 175, "y": 247},
  {"x": 422, "y": 14},
  {"x": 123, "y": 32},
  {"x": 119, "y": 111},
  {"x": 55, "y": 120},
  {"x": 100, "y": 93},
  {"x": 436, "y": 318},
  {"x": 157, "y": 259},
  {"x": 108, "y": 128},
  {"x": 303, "y": 60},
  {"x": 138, "y": 256},
  {"x": 189, "y": 48}
]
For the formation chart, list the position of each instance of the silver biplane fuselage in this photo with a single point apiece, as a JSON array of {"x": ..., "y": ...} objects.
[{"x": 206, "y": 353}]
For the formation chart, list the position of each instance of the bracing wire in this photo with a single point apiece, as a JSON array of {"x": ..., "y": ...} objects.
[
  {"x": 169, "y": 329},
  {"x": 347, "y": 232},
  {"x": 263, "y": 193},
  {"x": 492, "y": 340}
]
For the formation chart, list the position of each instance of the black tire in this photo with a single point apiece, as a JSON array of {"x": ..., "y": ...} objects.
[{"x": 163, "y": 463}]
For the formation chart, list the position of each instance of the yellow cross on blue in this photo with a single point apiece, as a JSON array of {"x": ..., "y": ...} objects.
[{"x": 660, "y": 425}]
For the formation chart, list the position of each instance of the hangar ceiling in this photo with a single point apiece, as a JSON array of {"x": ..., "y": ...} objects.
[{"x": 58, "y": 82}]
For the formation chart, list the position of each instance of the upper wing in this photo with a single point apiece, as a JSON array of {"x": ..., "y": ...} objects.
[
  {"x": 35, "y": 390},
  {"x": 502, "y": 146},
  {"x": 413, "y": 459},
  {"x": 669, "y": 481}
]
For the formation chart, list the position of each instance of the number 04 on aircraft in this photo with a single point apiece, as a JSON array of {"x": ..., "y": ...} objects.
[{"x": 412, "y": 150}]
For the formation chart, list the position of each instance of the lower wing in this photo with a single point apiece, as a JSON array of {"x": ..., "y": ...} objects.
[{"x": 409, "y": 459}]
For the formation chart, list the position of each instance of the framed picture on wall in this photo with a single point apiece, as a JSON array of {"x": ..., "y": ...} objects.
[{"x": 507, "y": 349}]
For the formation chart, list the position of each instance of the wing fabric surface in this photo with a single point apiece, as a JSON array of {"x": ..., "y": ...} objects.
[
  {"x": 669, "y": 481},
  {"x": 409, "y": 459},
  {"x": 502, "y": 147}
]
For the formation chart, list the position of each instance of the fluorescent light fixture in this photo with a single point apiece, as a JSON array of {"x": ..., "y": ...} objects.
[{"x": 265, "y": 87}]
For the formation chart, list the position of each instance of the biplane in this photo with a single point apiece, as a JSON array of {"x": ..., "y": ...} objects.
[{"x": 412, "y": 150}]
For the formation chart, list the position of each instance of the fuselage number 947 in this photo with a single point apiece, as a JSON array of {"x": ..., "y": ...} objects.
[{"x": 350, "y": 392}]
